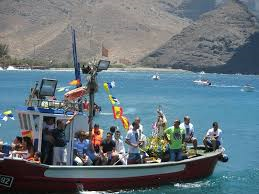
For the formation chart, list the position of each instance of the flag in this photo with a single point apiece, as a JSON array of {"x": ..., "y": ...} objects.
[
  {"x": 106, "y": 87},
  {"x": 11, "y": 116},
  {"x": 62, "y": 89},
  {"x": 105, "y": 51},
  {"x": 117, "y": 112},
  {"x": 125, "y": 122},
  {"x": 74, "y": 82},
  {"x": 7, "y": 112},
  {"x": 111, "y": 84},
  {"x": 5, "y": 118},
  {"x": 26, "y": 133},
  {"x": 114, "y": 100}
]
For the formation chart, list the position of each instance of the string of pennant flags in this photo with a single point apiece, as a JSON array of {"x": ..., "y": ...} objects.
[
  {"x": 116, "y": 109},
  {"x": 5, "y": 116}
]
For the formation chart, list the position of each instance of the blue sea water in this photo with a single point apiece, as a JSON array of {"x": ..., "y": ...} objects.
[{"x": 236, "y": 111}]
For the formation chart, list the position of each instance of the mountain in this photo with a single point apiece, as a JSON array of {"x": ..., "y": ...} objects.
[
  {"x": 223, "y": 40},
  {"x": 40, "y": 29}
]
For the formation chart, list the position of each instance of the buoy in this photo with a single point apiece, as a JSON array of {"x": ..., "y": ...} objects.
[{"x": 223, "y": 158}]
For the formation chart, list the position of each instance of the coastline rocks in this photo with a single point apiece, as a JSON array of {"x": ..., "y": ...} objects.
[{"x": 224, "y": 40}]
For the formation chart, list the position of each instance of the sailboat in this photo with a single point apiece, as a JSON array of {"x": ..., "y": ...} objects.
[{"x": 20, "y": 175}]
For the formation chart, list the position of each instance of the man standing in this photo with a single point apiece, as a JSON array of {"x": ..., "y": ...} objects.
[
  {"x": 189, "y": 132},
  {"x": 59, "y": 150},
  {"x": 132, "y": 139},
  {"x": 175, "y": 136},
  {"x": 137, "y": 121},
  {"x": 120, "y": 148},
  {"x": 213, "y": 138}
]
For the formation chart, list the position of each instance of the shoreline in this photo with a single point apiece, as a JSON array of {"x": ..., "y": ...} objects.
[{"x": 137, "y": 69}]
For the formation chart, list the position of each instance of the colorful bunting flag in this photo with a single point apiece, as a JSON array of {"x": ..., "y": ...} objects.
[
  {"x": 114, "y": 100},
  {"x": 117, "y": 112},
  {"x": 11, "y": 116},
  {"x": 26, "y": 133},
  {"x": 74, "y": 82},
  {"x": 106, "y": 87},
  {"x": 125, "y": 122},
  {"x": 7, "y": 112}
]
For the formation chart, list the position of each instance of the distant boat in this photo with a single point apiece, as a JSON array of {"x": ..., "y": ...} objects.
[
  {"x": 156, "y": 77},
  {"x": 11, "y": 68},
  {"x": 202, "y": 82},
  {"x": 248, "y": 88}
]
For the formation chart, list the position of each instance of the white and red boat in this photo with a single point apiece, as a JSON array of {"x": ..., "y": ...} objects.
[{"x": 19, "y": 175}]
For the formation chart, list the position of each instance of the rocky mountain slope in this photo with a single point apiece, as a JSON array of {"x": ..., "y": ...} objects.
[
  {"x": 223, "y": 40},
  {"x": 128, "y": 29}
]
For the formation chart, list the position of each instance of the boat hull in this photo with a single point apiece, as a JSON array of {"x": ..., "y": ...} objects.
[{"x": 30, "y": 177}]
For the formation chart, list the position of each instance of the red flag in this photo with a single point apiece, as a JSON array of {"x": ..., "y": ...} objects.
[
  {"x": 125, "y": 122},
  {"x": 117, "y": 112},
  {"x": 105, "y": 51}
]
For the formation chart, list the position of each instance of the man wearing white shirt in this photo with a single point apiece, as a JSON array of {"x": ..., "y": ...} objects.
[
  {"x": 137, "y": 121},
  {"x": 213, "y": 138},
  {"x": 120, "y": 148},
  {"x": 189, "y": 132},
  {"x": 133, "y": 140}
]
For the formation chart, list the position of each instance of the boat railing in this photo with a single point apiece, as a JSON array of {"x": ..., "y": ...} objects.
[{"x": 55, "y": 104}]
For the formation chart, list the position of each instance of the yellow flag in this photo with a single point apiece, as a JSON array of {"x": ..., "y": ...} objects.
[
  {"x": 111, "y": 99},
  {"x": 7, "y": 112},
  {"x": 106, "y": 88}
]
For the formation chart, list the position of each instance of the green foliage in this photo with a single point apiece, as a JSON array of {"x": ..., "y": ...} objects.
[
  {"x": 156, "y": 147},
  {"x": 3, "y": 50}
]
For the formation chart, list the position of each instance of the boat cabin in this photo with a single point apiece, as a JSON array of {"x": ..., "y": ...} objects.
[{"x": 40, "y": 106}]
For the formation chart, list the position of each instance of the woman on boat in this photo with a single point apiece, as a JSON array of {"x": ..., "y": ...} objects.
[{"x": 27, "y": 148}]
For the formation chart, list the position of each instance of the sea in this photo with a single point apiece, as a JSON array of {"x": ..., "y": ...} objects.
[{"x": 236, "y": 111}]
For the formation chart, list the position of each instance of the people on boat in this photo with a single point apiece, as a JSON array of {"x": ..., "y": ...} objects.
[
  {"x": 17, "y": 143},
  {"x": 120, "y": 148},
  {"x": 36, "y": 158},
  {"x": 97, "y": 137},
  {"x": 83, "y": 150},
  {"x": 27, "y": 147},
  {"x": 59, "y": 150},
  {"x": 47, "y": 140},
  {"x": 112, "y": 130},
  {"x": 107, "y": 150},
  {"x": 189, "y": 132},
  {"x": 137, "y": 121},
  {"x": 133, "y": 140},
  {"x": 175, "y": 136},
  {"x": 213, "y": 138}
]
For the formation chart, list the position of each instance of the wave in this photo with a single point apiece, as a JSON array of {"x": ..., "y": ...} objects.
[{"x": 225, "y": 86}]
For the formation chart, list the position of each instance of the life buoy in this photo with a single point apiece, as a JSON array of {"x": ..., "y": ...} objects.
[{"x": 76, "y": 93}]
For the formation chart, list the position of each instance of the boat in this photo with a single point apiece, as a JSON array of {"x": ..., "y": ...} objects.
[
  {"x": 20, "y": 175},
  {"x": 248, "y": 88},
  {"x": 156, "y": 77},
  {"x": 202, "y": 82}
]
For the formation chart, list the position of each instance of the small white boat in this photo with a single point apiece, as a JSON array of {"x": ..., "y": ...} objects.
[
  {"x": 156, "y": 77},
  {"x": 202, "y": 82},
  {"x": 1, "y": 69},
  {"x": 248, "y": 88}
]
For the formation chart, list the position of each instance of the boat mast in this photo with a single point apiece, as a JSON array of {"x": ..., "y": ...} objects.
[{"x": 77, "y": 67}]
